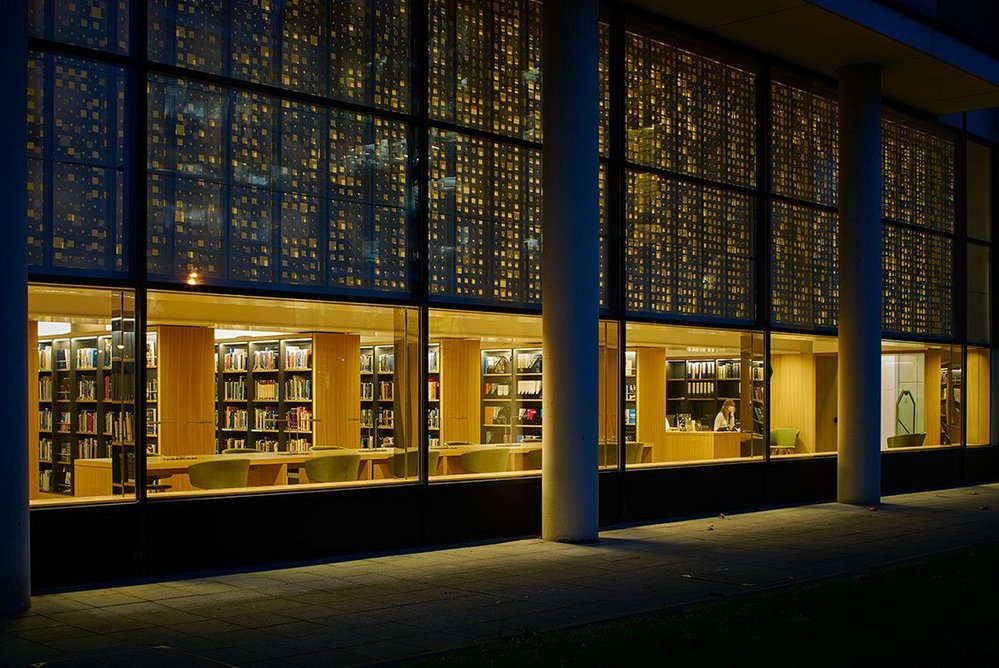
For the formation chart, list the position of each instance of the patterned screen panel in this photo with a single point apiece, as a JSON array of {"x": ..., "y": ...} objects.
[
  {"x": 918, "y": 177},
  {"x": 917, "y": 285},
  {"x": 689, "y": 114},
  {"x": 689, "y": 249},
  {"x": 76, "y": 146},
  {"x": 355, "y": 50},
  {"x": 805, "y": 145},
  {"x": 804, "y": 280},
  {"x": 249, "y": 188},
  {"x": 603, "y": 70},
  {"x": 94, "y": 24},
  {"x": 485, "y": 65},
  {"x": 485, "y": 220}
]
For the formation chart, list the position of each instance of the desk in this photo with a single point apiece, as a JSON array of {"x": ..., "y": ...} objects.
[
  {"x": 686, "y": 446},
  {"x": 450, "y": 457},
  {"x": 93, "y": 476}
]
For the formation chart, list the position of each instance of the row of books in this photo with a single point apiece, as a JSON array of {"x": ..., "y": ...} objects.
[
  {"x": 700, "y": 370},
  {"x": 45, "y": 388},
  {"x": 298, "y": 388},
  {"x": 86, "y": 422},
  {"x": 297, "y": 358},
  {"x": 234, "y": 360},
  {"x": 701, "y": 388},
  {"x": 265, "y": 360},
  {"x": 434, "y": 418},
  {"x": 386, "y": 363},
  {"x": 152, "y": 421},
  {"x": 265, "y": 390},
  {"x": 529, "y": 389},
  {"x": 529, "y": 362},
  {"x": 265, "y": 418},
  {"x": 434, "y": 360},
  {"x": 234, "y": 390},
  {"x": 45, "y": 449},
  {"x": 89, "y": 448},
  {"x": 433, "y": 389},
  {"x": 87, "y": 389},
  {"x": 235, "y": 418},
  {"x": 45, "y": 358},
  {"x": 299, "y": 419},
  {"x": 496, "y": 389}
]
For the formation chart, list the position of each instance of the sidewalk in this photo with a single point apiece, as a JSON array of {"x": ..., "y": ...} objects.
[{"x": 386, "y": 608}]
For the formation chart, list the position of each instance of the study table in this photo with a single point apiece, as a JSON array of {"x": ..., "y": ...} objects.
[
  {"x": 93, "y": 477},
  {"x": 681, "y": 446}
]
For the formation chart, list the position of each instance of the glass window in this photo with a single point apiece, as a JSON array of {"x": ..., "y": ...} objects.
[
  {"x": 76, "y": 146},
  {"x": 689, "y": 248},
  {"x": 698, "y": 395},
  {"x": 485, "y": 65},
  {"x": 805, "y": 255},
  {"x": 485, "y": 220},
  {"x": 979, "y": 292},
  {"x": 979, "y": 396},
  {"x": 268, "y": 393},
  {"x": 689, "y": 114},
  {"x": 248, "y": 188},
  {"x": 81, "y": 394},
  {"x": 95, "y": 24},
  {"x": 918, "y": 181},
  {"x": 917, "y": 281},
  {"x": 921, "y": 395},
  {"x": 804, "y": 386},
  {"x": 979, "y": 192},
  {"x": 344, "y": 49},
  {"x": 805, "y": 145},
  {"x": 490, "y": 388}
]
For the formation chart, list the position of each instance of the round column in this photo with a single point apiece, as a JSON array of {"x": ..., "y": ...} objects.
[
  {"x": 859, "y": 469},
  {"x": 570, "y": 266}
]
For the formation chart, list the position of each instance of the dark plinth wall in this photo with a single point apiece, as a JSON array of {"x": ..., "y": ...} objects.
[{"x": 82, "y": 545}]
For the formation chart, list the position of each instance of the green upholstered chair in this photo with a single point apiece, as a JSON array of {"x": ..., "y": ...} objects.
[
  {"x": 333, "y": 467},
  {"x": 633, "y": 452},
  {"x": 486, "y": 460},
  {"x": 219, "y": 473},
  {"x": 407, "y": 464},
  {"x": 906, "y": 440},
  {"x": 534, "y": 460},
  {"x": 241, "y": 451},
  {"x": 783, "y": 440}
]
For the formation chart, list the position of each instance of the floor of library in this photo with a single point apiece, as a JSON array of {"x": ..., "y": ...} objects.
[{"x": 391, "y": 606}]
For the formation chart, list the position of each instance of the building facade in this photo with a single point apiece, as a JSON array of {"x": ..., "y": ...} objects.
[{"x": 285, "y": 268}]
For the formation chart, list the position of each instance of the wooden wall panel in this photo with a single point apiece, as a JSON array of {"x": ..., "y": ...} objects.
[
  {"x": 461, "y": 415},
  {"x": 337, "y": 393},
  {"x": 979, "y": 397},
  {"x": 792, "y": 388},
  {"x": 186, "y": 376},
  {"x": 826, "y": 403},
  {"x": 32, "y": 409},
  {"x": 607, "y": 416},
  {"x": 651, "y": 399},
  {"x": 931, "y": 397}
]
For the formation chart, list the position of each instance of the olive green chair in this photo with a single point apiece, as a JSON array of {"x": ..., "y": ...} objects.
[
  {"x": 486, "y": 460},
  {"x": 219, "y": 473},
  {"x": 906, "y": 440},
  {"x": 534, "y": 460},
  {"x": 333, "y": 467},
  {"x": 407, "y": 464},
  {"x": 241, "y": 451},
  {"x": 783, "y": 440}
]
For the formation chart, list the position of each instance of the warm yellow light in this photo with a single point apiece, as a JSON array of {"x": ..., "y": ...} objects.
[{"x": 192, "y": 278}]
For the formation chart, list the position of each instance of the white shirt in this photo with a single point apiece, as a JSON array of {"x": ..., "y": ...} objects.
[{"x": 722, "y": 423}]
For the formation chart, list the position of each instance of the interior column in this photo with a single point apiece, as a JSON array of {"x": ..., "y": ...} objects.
[
  {"x": 15, "y": 592},
  {"x": 570, "y": 215},
  {"x": 859, "y": 474}
]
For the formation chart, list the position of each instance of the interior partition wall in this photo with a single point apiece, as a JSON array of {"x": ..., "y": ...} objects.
[{"x": 371, "y": 159}]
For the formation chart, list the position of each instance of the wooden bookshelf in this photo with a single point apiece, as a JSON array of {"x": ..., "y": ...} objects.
[
  {"x": 434, "y": 403},
  {"x": 511, "y": 394}
]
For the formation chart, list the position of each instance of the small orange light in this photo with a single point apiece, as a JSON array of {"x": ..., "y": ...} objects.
[{"x": 192, "y": 278}]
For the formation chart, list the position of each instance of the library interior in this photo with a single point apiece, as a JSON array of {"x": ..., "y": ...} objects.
[{"x": 257, "y": 393}]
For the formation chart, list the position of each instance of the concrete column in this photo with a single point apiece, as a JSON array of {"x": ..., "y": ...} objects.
[
  {"x": 14, "y": 538},
  {"x": 570, "y": 265},
  {"x": 859, "y": 284}
]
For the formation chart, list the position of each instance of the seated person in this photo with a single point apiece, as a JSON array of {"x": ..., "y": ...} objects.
[{"x": 725, "y": 420}]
